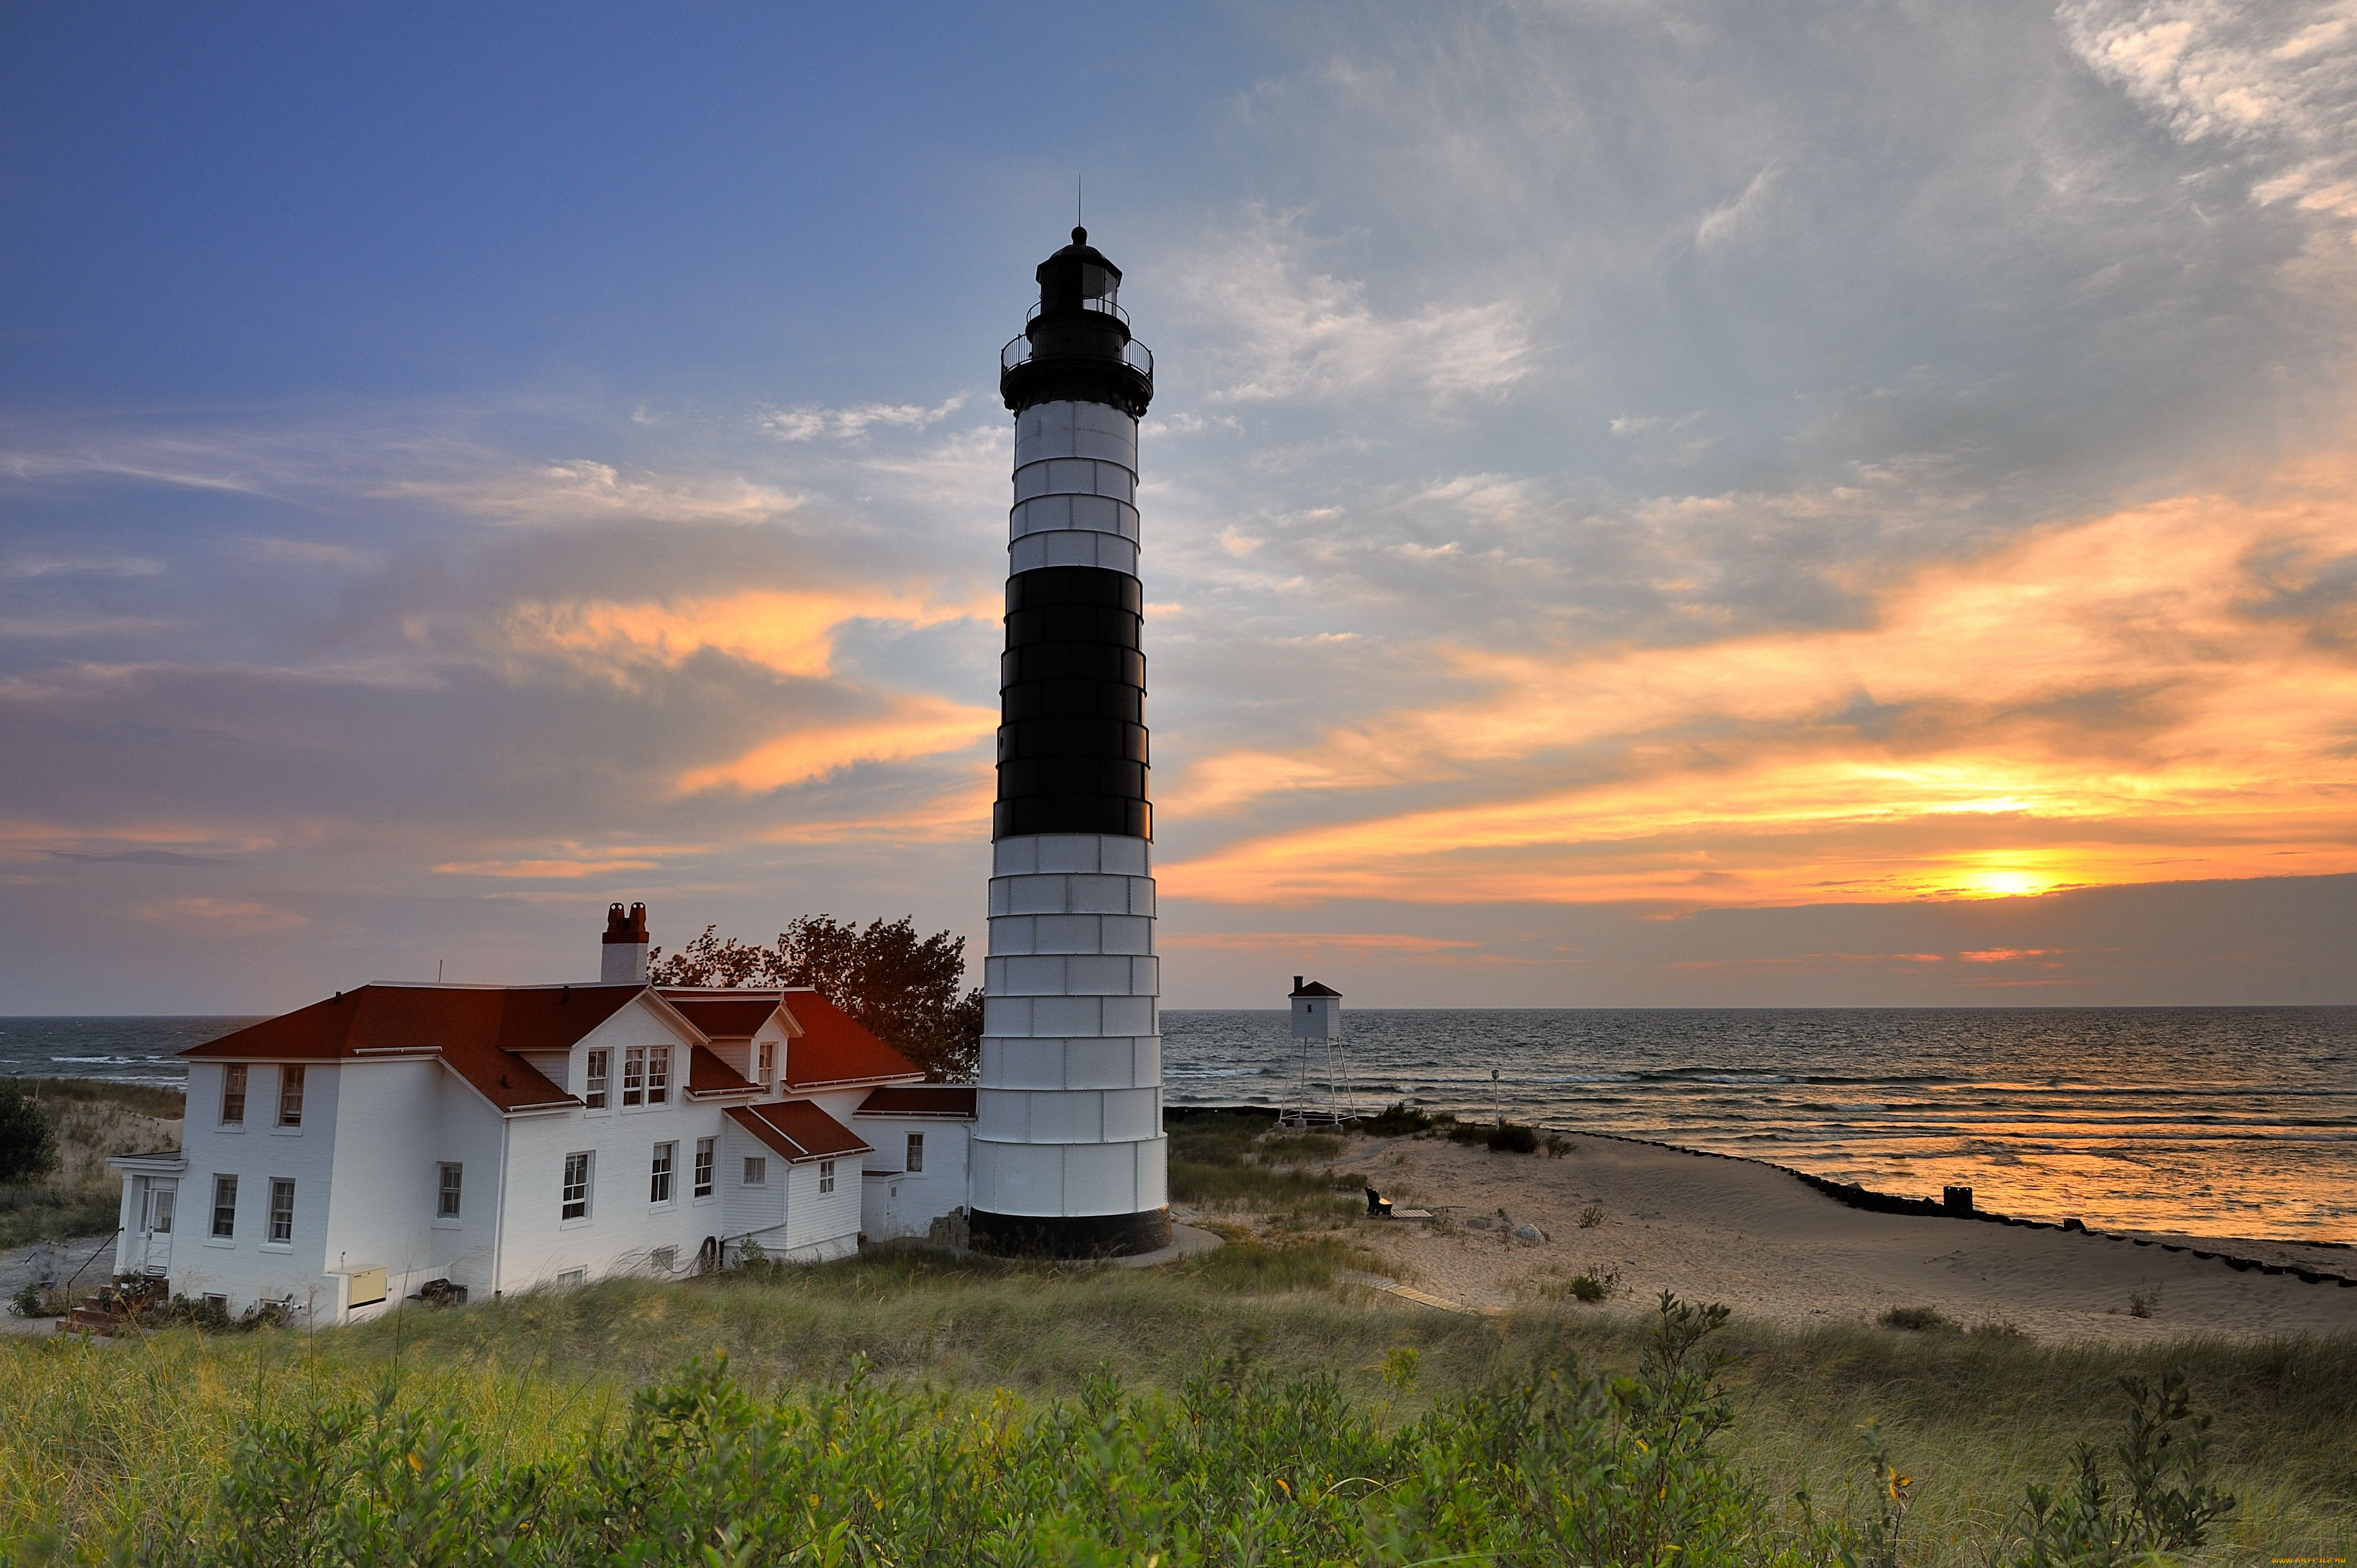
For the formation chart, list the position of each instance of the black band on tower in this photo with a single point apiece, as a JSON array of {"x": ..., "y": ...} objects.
[
  {"x": 1072, "y": 743},
  {"x": 1079, "y": 1236}
]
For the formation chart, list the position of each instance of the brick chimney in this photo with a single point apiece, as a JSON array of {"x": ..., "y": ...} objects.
[{"x": 625, "y": 950}]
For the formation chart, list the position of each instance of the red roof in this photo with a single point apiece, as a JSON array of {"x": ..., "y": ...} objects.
[
  {"x": 707, "y": 1074},
  {"x": 798, "y": 1129},
  {"x": 833, "y": 1049},
  {"x": 952, "y": 1101},
  {"x": 724, "y": 1017},
  {"x": 478, "y": 1030}
]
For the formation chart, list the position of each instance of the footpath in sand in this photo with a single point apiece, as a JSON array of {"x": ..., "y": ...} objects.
[{"x": 1757, "y": 1238}]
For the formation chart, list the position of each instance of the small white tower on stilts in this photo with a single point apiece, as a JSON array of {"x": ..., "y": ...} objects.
[{"x": 1320, "y": 1094}]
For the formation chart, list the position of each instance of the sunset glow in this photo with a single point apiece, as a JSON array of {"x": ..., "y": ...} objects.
[{"x": 1653, "y": 504}]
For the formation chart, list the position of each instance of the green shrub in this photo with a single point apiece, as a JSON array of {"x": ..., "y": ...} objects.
[
  {"x": 1593, "y": 1287},
  {"x": 28, "y": 1142},
  {"x": 1918, "y": 1320},
  {"x": 1395, "y": 1120},
  {"x": 1512, "y": 1138}
]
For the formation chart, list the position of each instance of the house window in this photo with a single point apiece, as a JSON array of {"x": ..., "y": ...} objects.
[
  {"x": 768, "y": 1061},
  {"x": 634, "y": 1076},
  {"x": 659, "y": 1075},
  {"x": 225, "y": 1205},
  {"x": 594, "y": 1095},
  {"x": 826, "y": 1176},
  {"x": 576, "y": 1204},
  {"x": 281, "y": 1208},
  {"x": 290, "y": 1097},
  {"x": 665, "y": 1257},
  {"x": 704, "y": 1167},
  {"x": 757, "y": 1170},
  {"x": 233, "y": 1095},
  {"x": 916, "y": 1153},
  {"x": 659, "y": 1178},
  {"x": 217, "y": 1301},
  {"x": 453, "y": 1178}
]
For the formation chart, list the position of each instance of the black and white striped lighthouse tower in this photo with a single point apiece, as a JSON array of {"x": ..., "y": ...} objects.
[{"x": 1069, "y": 1156}]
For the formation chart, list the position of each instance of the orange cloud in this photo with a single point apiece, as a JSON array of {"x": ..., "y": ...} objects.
[
  {"x": 223, "y": 916},
  {"x": 575, "y": 863},
  {"x": 2136, "y": 697},
  {"x": 1340, "y": 941},
  {"x": 791, "y": 633},
  {"x": 906, "y": 727}
]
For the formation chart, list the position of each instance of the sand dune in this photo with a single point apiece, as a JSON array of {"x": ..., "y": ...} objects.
[{"x": 1755, "y": 1238}]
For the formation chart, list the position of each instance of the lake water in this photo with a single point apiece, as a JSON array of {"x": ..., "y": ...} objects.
[{"x": 2218, "y": 1120}]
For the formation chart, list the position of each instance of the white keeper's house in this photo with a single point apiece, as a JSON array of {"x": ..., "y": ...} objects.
[{"x": 347, "y": 1155}]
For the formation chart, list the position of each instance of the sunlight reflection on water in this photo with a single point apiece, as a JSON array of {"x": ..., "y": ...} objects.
[{"x": 2220, "y": 1121}]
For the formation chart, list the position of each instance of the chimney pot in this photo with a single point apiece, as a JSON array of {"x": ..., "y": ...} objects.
[{"x": 624, "y": 951}]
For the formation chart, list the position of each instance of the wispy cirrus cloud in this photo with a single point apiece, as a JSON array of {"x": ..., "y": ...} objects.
[
  {"x": 2275, "y": 85},
  {"x": 807, "y": 422},
  {"x": 1275, "y": 327}
]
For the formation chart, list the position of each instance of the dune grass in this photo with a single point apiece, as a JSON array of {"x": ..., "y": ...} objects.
[
  {"x": 101, "y": 1436},
  {"x": 104, "y": 1439},
  {"x": 93, "y": 1120},
  {"x": 1237, "y": 1162}
]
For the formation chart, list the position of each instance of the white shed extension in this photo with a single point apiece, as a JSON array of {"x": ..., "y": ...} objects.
[
  {"x": 341, "y": 1156},
  {"x": 921, "y": 1170}
]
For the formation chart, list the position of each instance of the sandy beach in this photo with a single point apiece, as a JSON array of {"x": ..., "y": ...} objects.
[{"x": 1713, "y": 1228}]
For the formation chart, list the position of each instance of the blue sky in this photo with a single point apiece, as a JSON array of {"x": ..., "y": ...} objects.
[{"x": 1694, "y": 502}]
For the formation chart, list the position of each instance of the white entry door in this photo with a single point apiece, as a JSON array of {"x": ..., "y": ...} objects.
[{"x": 156, "y": 1224}]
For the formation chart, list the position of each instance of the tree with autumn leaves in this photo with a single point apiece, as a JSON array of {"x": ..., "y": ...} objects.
[{"x": 910, "y": 992}]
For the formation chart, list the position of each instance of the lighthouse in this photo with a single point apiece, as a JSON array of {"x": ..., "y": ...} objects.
[{"x": 1069, "y": 1157}]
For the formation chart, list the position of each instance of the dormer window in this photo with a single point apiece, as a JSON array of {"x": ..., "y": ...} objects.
[
  {"x": 600, "y": 1065},
  {"x": 769, "y": 1062},
  {"x": 634, "y": 1076},
  {"x": 659, "y": 1075}
]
